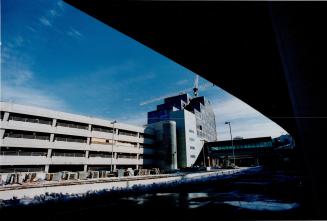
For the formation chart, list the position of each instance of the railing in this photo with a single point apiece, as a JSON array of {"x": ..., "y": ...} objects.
[
  {"x": 70, "y": 140},
  {"x": 38, "y": 137},
  {"x": 127, "y": 133},
  {"x": 126, "y": 156},
  {"x": 100, "y": 155},
  {"x": 115, "y": 145},
  {"x": 68, "y": 154},
  {"x": 102, "y": 130},
  {"x": 127, "y": 145},
  {"x": 22, "y": 153},
  {"x": 73, "y": 126},
  {"x": 15, "y": 170},
  {"x": 30, "y": 120}
]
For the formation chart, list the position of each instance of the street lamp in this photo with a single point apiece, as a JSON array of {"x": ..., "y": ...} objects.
[
  {"x": 112, "y": 142},
  {"x": 231, "y": 138}
]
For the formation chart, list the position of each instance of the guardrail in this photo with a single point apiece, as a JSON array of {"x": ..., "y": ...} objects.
[
  {"x": 72, "y": 126},
  {"x": 70, "y": 140},
  {"x": 102, "y": 130},
  {"x": 31, "y": 120},
  {"x": 21, "y": 170},
  {"x": 126, "y": 157},
  {"x": 100, "y": 155},
  {"x": 68, "y": 154},
  {"x": 22, "y": 153},
  {"x": 26, "y": 136}
]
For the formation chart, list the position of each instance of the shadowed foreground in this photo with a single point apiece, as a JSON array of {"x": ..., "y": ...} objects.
[{"x": 266, "y": 195}]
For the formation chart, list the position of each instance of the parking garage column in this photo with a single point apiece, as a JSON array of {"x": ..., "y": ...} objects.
[
  {"x": 6, "y": 116},
  {"x": 2, "y": 132},
  {"x": 115, "y": 157},
  {"x": 86, "y": 158},
  {"x": 48, "y": 158},
  {"x": 138, "y": 161},
  {"x": 54, "y": 122},
  {"x": 51, "y": 137}
]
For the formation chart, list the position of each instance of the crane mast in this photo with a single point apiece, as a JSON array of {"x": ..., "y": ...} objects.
[{"x": 196, "y": 86}]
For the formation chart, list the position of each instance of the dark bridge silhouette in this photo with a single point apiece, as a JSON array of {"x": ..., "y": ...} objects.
[{"x": 270, "y": 55}]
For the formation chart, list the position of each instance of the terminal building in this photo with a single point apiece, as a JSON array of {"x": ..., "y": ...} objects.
[
  {"x": 245, "y": 152},
  {"x": 35, "y": 139}
]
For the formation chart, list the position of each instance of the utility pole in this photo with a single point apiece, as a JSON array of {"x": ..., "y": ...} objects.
[
  {"x": 112, "y": 143},
  {"x": 231, "y": 138}
]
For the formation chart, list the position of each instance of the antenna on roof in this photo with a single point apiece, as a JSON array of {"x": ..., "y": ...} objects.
[{"x": 196, "y": 86}]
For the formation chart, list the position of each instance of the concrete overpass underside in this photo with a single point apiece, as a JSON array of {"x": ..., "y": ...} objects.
[{"x": 270, "y": 55}]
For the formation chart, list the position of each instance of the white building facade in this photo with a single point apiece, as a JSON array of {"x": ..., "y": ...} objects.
[{"x": 37, "y": 139}]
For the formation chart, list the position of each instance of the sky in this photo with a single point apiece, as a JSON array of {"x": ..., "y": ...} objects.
[{"x": 57, "y": 57}]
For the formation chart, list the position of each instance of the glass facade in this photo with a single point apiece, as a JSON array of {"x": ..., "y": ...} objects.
[{"x": 244, "y": 146}]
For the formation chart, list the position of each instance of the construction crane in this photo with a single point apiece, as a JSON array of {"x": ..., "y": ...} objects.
[{"x": 195, "y": 90}]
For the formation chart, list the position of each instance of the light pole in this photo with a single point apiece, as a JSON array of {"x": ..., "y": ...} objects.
[
  {"x": 231, "y": 138},
  {"x": 112, "y": 142}
]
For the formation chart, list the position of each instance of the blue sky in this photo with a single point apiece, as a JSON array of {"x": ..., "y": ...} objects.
[{"x": 54, "y": 56}]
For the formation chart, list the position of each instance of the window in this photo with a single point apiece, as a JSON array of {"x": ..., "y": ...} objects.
[
  {"x": 192, "y": 156},
  {"x": 192, "y": 147},
  {"x": 191, "y": 131},
  {"x": 191, "y": 139}
]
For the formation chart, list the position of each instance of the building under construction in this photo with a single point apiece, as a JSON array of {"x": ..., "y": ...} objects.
[{"x": 182, "y": 124}]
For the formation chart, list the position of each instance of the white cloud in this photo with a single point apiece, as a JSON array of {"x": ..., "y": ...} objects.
[
  {"x": 53, "y": 12},
  {"x": 61, "y": 5},
  {"x": 31, "y": 28},
  {"x": 22, "y": 76},
  {"x": 19, "y": 40},
  {"x": 182, "y": 82},
  {"x": 249, "y": 129},
  {"x": 245, "y": 120},
  {"x": 233, "y": 108},
  {"x": 45, "y": 21},
  {"x": 137, "y": 119},
  {"x": 18, "y": 83},
  {"x": 31, "y": 96},
  {"x": 74, "y": 33}
]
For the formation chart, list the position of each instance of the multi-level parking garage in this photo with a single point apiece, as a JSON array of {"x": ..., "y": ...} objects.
[{"x": 36, "y": 139}]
